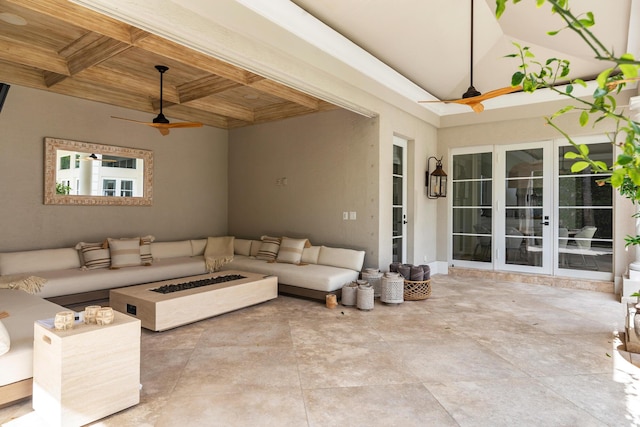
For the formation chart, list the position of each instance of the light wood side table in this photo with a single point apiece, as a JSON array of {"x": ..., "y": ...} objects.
[{"x": 86, "y": 373}]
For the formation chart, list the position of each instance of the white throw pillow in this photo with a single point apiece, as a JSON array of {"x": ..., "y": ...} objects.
[
  {"x": 198, "y": 247},
  {"x": 242, "y": 247},
  {"x": 5, "y": 339},
  {"x": 291, "y": 250},
  {"x": 310, "y": 255}
]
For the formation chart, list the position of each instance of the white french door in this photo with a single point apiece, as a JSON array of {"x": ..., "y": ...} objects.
[
  {"x": 521, "y": 208},
  {"x": 524, "y": 215},
  {"x": 399, "y": 208}
]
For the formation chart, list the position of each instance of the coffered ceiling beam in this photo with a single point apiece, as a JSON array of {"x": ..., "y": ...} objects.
[
  {"x": 224, "y": 108},
  {"x": 205, "y": 86},
  {"x": 85, "y": 52},
  {"x": 79, "y": 16},
  {"x": 192, "y": 58},
  {"x": 33, "y": 57}
]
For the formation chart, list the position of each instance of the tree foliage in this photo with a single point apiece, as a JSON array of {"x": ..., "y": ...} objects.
[{"x": 618, "y": 71}]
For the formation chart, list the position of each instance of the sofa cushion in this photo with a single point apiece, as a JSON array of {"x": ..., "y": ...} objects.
[
  {"x": 316, "y": 277},
  {"x": 339, "y": 257},
  {"x": 291, "y": 250},
  {"x": 269, "y": 248},
  {"x": 124, "y": 252},
  {"x": 24, "y": 309},
  {"x": 39, "y": 260},
  {"x": 94, "y": 255},
  {"x": 242, "y": 247},
  {"x": 310, "y": 255},
  {"x": 5, "y": 339},
  {"x": 74, "y": 281},
  {"x": 163, "y": 250},
  {"x": 198, "y": 246}
]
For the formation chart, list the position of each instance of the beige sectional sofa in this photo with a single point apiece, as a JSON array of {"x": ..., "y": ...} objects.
[
  {"x": 312, "y": 271},
  {"x": 317, "y": 271}
]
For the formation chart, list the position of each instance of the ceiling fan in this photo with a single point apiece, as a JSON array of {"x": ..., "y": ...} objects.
[
  {"x": 472, "y": 97},
  {"x": 161, "y": 122},
  {"x": 95, "y": 158}
]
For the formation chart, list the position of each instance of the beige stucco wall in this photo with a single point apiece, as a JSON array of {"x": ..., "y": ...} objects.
[
  {"x": 190, "y": 188},
  {"x": 334, "y": 162},
  {"x": 421, "y": 211},
  {"x": 329, "y": 161}
]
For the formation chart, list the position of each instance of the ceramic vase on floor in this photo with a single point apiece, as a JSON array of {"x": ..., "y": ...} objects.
[
  {"x": 392, "y": 288},
  {"x": 364, "y": 296},
  {"x": 349, "y": 291},
  {"x": 374, "y": 277}
]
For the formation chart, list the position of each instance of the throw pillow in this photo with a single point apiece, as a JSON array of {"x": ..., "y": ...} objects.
[
  {"x": 310, "y": 255},
  {"x": 255, "y": 247},
  {"x": 242, "y": 247},
  {"x": 269, "y": 248},
  {"x": 124, "y": 252},
  {"x": 5, "y": 339},
  {"x": 94, "y": 255},
  {"x": 291, "y": 250},
  {"x": 145, "y": 250}
]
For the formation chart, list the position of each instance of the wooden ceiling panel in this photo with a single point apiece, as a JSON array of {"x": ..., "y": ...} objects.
[{"x": 65, "y": 48}]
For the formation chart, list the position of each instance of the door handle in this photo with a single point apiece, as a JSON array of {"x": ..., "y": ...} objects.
[
  {"x": 545, "y": 223},
  {"x": 404, "y": 221}
]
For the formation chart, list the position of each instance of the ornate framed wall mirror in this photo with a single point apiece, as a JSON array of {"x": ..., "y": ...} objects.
[{"x": 85, "y": 173}]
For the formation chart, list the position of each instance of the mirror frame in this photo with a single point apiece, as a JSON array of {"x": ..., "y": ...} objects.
[{"x": 51, "y": 145}]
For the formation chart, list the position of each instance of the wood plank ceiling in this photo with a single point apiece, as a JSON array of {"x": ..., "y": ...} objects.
[{"x": 67, "y": 49}]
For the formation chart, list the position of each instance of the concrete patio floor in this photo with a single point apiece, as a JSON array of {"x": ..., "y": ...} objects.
[{"x": 478, "y": 352}]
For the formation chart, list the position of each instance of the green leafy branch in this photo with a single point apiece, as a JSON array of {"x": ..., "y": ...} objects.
[{"x": 554, "y": 72}]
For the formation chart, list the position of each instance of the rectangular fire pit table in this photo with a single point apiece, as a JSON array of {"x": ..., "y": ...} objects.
[{"x": 159, "y": 311}]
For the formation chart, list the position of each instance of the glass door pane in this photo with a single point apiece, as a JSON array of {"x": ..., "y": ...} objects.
[
  {"x": 524, "y": 240},
  {"x": 399, "y": 215},
  {"x": 472, "y": 210},
  {"x": 585, "y": 212}
]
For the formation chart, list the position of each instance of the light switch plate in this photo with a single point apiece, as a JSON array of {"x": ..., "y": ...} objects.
[
  {"x": 352, "y": 216},
  {"x": 345, "y": 215}
]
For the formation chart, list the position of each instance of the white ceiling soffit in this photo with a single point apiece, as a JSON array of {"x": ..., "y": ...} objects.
[{"x": 399, "y": 51}]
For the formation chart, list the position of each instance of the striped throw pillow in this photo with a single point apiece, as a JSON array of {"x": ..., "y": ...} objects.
[
  {"x": 145, "y": 250},
  {"x": 269, "y": 248},
  {"x": 124, "y": 252},
  {"x": 94, "y": 255}
]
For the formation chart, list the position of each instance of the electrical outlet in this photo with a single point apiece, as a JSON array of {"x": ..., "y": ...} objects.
[
  {"x": 345, "y": 215},
  {"x": 352, "y": 216}
]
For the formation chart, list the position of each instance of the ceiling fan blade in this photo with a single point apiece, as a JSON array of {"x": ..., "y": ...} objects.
[
  {"x": 185, "y": 125},
  {"x": 475, "y": 102},
  {"x": 129, "y": 120},
  {"x": 163, "y": 127}
]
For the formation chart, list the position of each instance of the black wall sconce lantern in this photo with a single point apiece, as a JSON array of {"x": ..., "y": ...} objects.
[{"x": 436, "y": 181}]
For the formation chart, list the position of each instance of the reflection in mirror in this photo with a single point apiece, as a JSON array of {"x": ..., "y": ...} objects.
[{"x": 84, "y": 173}]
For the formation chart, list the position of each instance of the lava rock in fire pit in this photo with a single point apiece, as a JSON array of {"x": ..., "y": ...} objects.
[{"x": 167, "y": 289}]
